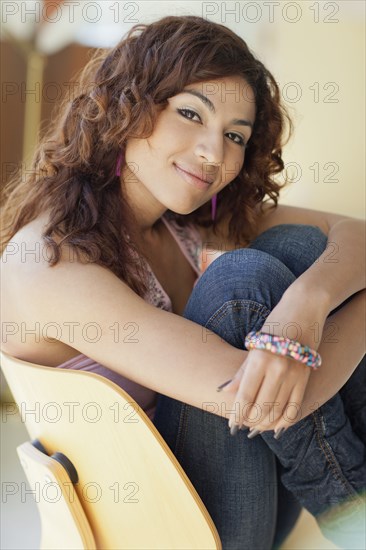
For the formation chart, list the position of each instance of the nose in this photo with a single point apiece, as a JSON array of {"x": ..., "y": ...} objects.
[{"x": 210, "y": 147}]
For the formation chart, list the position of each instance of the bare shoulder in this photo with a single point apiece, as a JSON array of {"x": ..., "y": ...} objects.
[
  {"x": 57, "y": 300},
  {"x": 26, "y": 268},
  {"x": 25, "y": 252}
]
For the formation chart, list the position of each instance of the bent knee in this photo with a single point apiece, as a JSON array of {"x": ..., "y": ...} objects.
[
  {"x": 308, "y": 235},
  {"x": 298, "y": 246},
  {"x": 250, "y": 267}
]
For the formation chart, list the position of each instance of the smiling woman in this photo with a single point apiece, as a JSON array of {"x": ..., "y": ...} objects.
[
  {"x": 199, "y": 139},
  {"x": 168, "y": 149}
]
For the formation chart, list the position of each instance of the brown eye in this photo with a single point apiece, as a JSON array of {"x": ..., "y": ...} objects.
[
  {"x": 188, "y": 113},
  {"x": 236, "y": 138}
]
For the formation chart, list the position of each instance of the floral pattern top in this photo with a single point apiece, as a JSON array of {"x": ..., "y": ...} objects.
[{"x": 189, "y": 241}]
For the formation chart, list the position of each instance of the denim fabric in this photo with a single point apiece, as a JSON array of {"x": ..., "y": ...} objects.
[{"x": 254, "y": 489}]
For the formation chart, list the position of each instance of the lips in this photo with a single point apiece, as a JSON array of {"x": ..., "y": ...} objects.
[{"x": 194, "y": 176}]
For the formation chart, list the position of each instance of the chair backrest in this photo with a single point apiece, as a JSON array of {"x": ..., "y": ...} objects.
[
  {"x": 133, "y": 491},
  {"x": 63, "y": 520}
]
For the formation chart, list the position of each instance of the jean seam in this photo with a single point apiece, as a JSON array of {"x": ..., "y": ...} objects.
[
  {"x": 222, "y": 312},
  {"x": 328, "y": 453},
  {"x": 182, "y": 431}
]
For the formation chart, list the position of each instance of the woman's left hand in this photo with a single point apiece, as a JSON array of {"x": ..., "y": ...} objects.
[{"x": 269, "y": 388}]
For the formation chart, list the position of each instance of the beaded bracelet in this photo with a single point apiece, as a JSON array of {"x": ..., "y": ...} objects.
[{"x": 283, "y": 346}]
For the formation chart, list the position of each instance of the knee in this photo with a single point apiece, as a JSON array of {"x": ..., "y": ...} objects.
[
  {"x": 246, "y": 273},
  {"x": 306, "y": 236},
  {"x": 237, "y": 292},
  {"x": 298, "y": 246},
  {"x": 301, "y": 231},
  {"x": 249, "y": 264}
]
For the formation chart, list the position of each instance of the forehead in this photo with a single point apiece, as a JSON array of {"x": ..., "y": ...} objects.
[
  {"x": 231, "y": 96},
  {"x": 229, "y": 89}
]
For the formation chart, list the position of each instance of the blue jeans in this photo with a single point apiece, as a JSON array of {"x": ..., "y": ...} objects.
[{"x": 254, "y": 489}]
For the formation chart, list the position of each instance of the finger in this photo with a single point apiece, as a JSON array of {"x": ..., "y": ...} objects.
[
  {"x": 267, "y": 402},
  {"x": 274, "y": 371},
  {"x": 274, "y": 408},
  {"x": 224, "y": 385},
  {"x": 247, "y": 391},
  {"x": 292, "y": 411},
  {"x": 290, "y": 396},
  {"x": 247, "y": 395},
  {"x": 233, "y": 385}
]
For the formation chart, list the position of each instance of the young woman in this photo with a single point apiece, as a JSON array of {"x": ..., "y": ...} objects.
[{"x": 169, "y": 149}]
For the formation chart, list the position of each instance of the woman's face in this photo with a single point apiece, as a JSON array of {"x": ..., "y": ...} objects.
[{"x": 197, "y": 146}]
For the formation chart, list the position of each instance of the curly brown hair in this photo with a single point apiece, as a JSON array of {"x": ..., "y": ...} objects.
[{"x": 120, "y": 94}]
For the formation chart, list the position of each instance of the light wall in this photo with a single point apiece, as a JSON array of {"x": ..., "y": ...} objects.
[{"x": 326, "y": 63}]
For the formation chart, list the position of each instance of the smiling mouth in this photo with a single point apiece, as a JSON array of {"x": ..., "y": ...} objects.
[{"x": 193, "y": 178}]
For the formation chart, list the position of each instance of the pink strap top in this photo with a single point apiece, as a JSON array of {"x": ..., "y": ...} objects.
[{"x": 190, "y": 243}]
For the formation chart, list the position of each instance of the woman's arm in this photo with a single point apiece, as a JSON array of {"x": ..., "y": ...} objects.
[
  {"x": 89, "y": 309},
  {"x": 98, "y": 315},
  {"x": 340, "y": 270},
  {"x": 341, "y": 344},
  {"x": 301, "y": 314}
]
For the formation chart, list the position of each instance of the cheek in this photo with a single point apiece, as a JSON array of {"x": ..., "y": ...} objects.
[
  {"x": 170, "y": 132},
  {"x": 143, "y": 155},
  {"x": 136, "y": 155},
  {"x": 133, "y": 150}
]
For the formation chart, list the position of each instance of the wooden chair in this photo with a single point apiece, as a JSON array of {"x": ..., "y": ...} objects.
[{"x": 128, "y": 490}]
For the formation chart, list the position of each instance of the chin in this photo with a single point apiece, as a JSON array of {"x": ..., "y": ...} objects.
[
  {"x": 185, "y": 211},
  {"x": 183, "y": 205}
]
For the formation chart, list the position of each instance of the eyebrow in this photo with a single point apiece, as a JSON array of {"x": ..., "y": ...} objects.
[{"x": 211, "y": 107}]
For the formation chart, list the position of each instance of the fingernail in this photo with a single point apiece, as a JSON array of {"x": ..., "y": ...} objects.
[
  {"x": 234, "y": 429},
  {"x": 253, "y": 433},
  {"x": 278, "y": 434},
  {"x": 219, "y": 388}
]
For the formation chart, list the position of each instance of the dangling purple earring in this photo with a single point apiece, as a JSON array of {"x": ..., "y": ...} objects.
[
  {"x": 213, "y": 207},
  {"x": 119, "y": 164}
]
